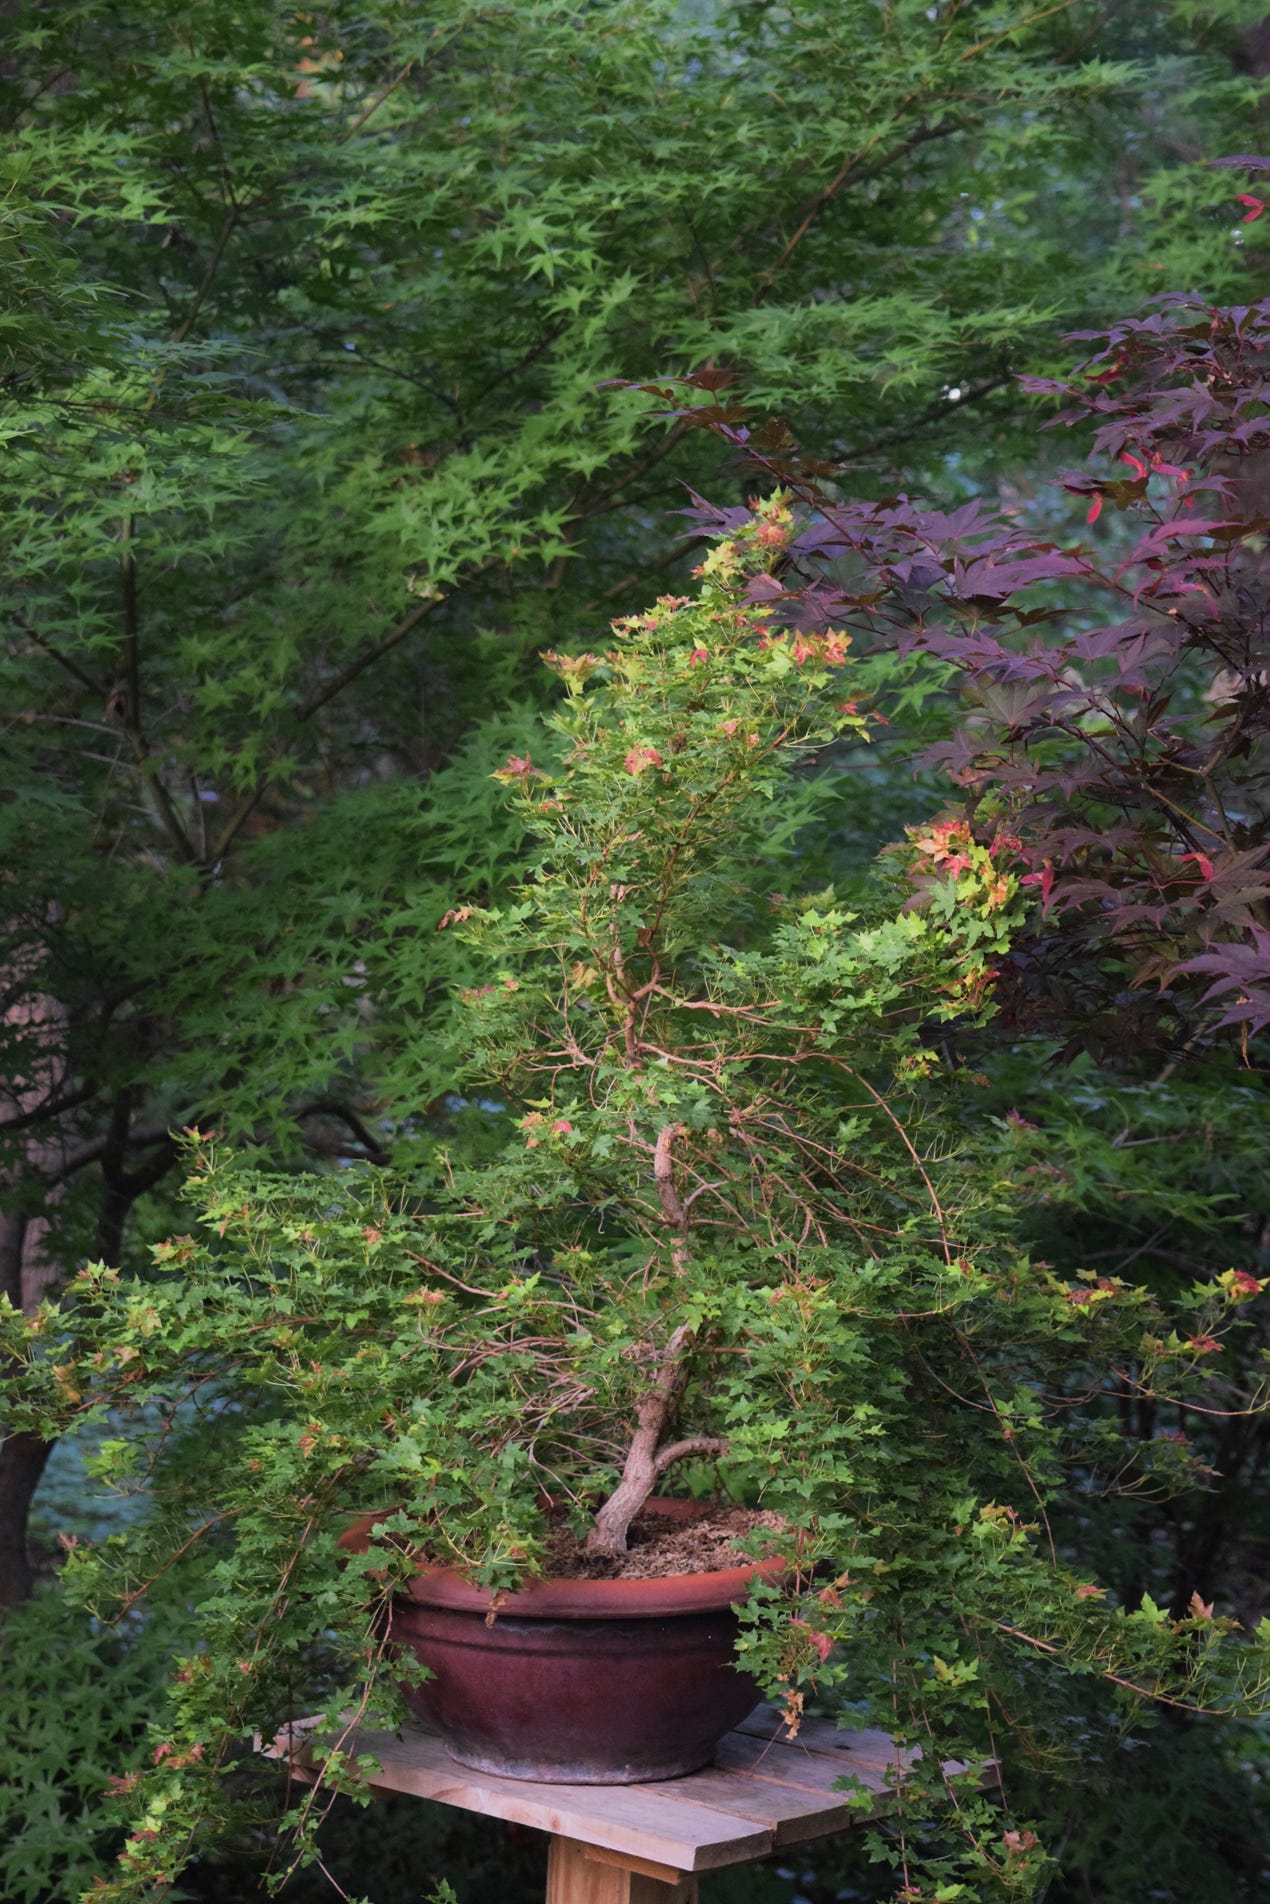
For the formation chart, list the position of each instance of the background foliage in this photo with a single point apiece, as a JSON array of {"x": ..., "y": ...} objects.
[{"x": 308, "y": 329}]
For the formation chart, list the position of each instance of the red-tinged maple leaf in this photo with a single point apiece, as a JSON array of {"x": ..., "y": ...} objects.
[
  {"x": 518, "y": 767},
  {"x": 1044, "y": 879},
  {"x": 641, "y": 757},
  {"x": 1199, "y": 1609},
  {"x": 821, "y": 1641},
  {"x": 1202, "y": 861},
  {"x": 1204, "y": 1344},
  {"x": 1094, "y": 510},
  {"x": 1255, "y": 207},
  {"x": 1087, "y": 1591}
]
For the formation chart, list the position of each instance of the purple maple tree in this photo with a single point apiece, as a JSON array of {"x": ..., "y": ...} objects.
[{"x": 1116, "y": 704}]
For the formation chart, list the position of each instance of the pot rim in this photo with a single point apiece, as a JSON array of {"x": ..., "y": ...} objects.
[{"x": 638, "y": 1599}]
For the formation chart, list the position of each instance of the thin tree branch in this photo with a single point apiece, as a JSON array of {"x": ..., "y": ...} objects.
[
  {"x": 695, "y": 1444},
  {"x": 637, "y": 469},
  {"x": 851, "y": 172},
  {"x": 89, "y": 1152},
  {"x": 377, "y": 102},
  {"x": 64, "y": 661},
  {"x": 184, "y": 328},
  {"x": 1016, "y": 26},
  {"x": 330, "y": 1107},
  {"x": 369, "y": 656},
  {"x": 664, "y": 1175},
  {"x": 1144, "y": 1692},
  {"x": 50, "y": 1108}
]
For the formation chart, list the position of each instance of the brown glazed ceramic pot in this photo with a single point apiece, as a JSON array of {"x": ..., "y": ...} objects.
[{"x": 580, "y": 1682}]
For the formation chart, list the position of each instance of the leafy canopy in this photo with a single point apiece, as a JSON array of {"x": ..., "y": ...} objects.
[{"x": 317, "y": 340}]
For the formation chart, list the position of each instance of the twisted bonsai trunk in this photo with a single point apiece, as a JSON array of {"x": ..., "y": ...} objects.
[{"x": 650, "y": 1453}]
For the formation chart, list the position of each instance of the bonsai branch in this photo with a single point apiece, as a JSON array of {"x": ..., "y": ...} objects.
[
  {"x": 664, "y": 1176},
  {"x": 646, "y": 1459},
  {"x": 680, "y": 1450}
]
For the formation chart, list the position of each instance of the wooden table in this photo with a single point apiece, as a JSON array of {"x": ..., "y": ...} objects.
[{"x": 646, "y": 1844}]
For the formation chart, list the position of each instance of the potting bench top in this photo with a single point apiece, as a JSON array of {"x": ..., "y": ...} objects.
[{"x": 644, "y": 1844}]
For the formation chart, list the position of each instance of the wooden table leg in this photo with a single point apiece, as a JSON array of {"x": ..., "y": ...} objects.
[{"x": 583, "y": 1874}]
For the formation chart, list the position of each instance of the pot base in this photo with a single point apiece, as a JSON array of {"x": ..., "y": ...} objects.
[
  {"x": 583, "y": 1773},
  {"x": 577, "y": 1701}
]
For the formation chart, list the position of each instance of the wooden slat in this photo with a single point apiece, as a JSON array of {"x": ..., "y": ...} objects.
[
  {"x": 677, "y": 1831},
  {"x": 627, "y": 1861},
  {"x": 862, "y": 1753},
  {"x": 814, "y": 1735},
  {"x": 793, "y": 1765},
  {"x": 791, "y": 1813}
]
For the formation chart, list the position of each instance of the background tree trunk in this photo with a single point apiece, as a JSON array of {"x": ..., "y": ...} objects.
[{"x": 28, "y": 1269}]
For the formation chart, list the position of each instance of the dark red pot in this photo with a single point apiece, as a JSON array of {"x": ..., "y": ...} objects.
[{"x": 580, "y": 1682}]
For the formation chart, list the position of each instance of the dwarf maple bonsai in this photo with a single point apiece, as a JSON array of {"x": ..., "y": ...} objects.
[{"x": 710, "y": 1215}]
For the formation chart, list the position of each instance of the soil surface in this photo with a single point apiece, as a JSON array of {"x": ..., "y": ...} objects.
[{"x": 659, "y": 1548}]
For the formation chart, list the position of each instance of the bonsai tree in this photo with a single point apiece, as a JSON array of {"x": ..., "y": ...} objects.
[{"x": 711, "y": 1219}]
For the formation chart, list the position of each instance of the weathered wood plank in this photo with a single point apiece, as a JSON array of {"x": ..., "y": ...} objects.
[
  {"x": 678, "y": 1831},
  {"x": 811, "y": 1771},
  {"x": 866, "y": 1754},
  {"x": 817, "y": 1735},
  {"x": 627, "y": 1861},
  {"x": 791, "y": 1813}
]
